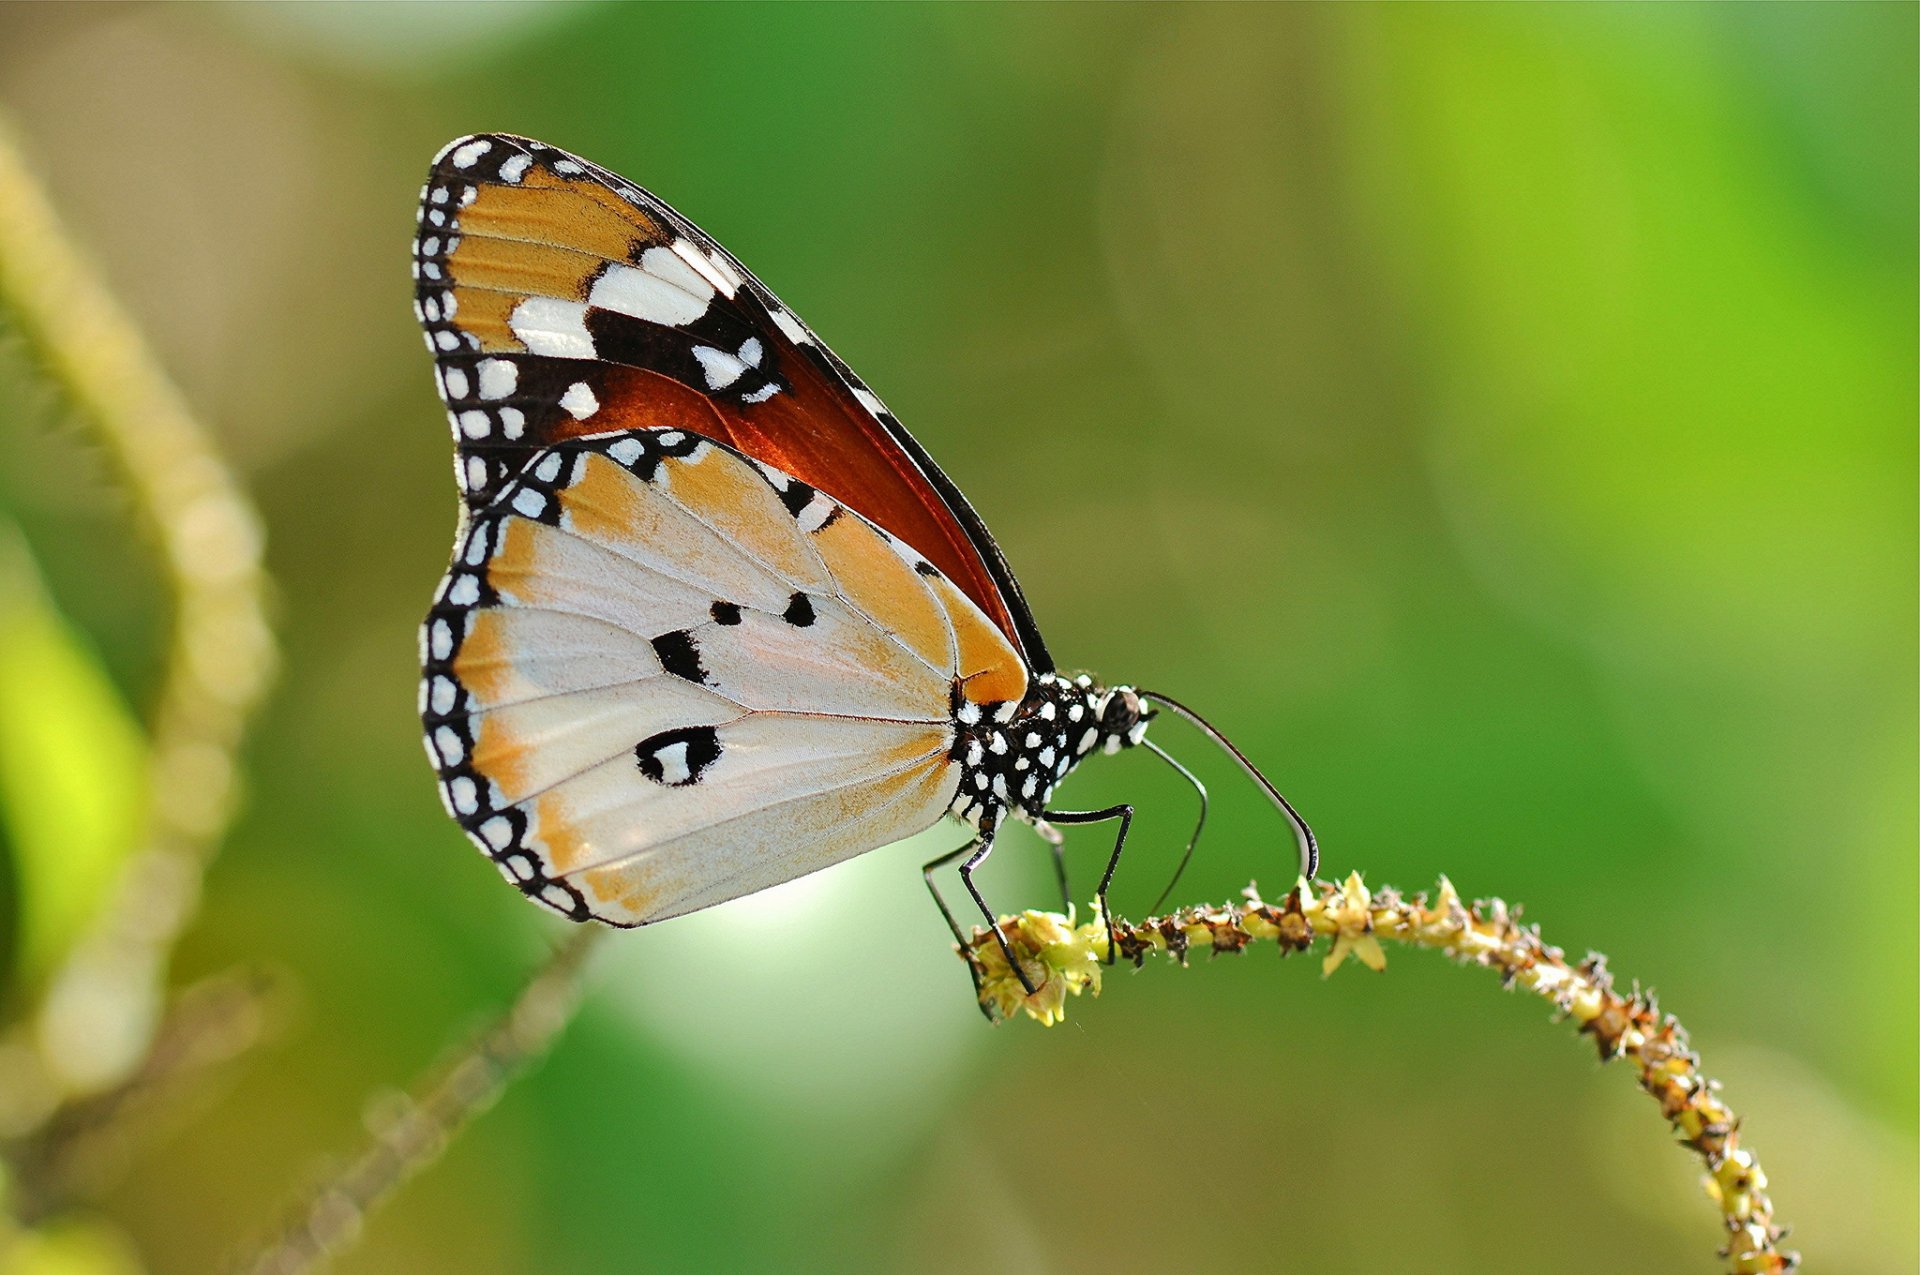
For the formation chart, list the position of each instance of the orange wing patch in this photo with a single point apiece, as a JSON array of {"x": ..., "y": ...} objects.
[
  {"x": 991, "y": 669},
  {"x": 544, "y": 209},
  {"x": 728, "y": 496},
  {"x": 879, "y": 583}
]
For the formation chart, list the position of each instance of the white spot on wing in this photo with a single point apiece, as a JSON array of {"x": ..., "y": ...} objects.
[
  {"x": 514, "y": 168},
  {"x": 664, "y": 289},
  {"x": 673, "y": 763},
  {"x": 691, "y": 254},
  {"x": 548, "y": 325},
  {"x": 579, "y": 402},
  {"x": 465, "y": 155},
  {"x": 529, "y": 502},
  {"x": 498, "y": 377},
  {"x": 795, "y": 331},
  {"x": 815, "y": 515},
  {"x": 722, "y": 369},
  {"x": 725, "y": 270}
]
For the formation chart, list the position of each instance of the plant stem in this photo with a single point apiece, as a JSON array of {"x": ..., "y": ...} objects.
[
  {"x": 410, "y": 1133},
  {"x": 1061, "y": 960},
  {"x": 103, "y": 1005}
]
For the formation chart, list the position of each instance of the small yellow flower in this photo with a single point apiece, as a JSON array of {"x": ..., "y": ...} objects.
[
  {"x": 1350, "y": 912},
  {"x": 1058, "y": 960}
]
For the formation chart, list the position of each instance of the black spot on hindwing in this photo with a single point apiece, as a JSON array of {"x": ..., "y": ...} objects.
[
  {"x": 725, "y": 613},
  {"x": 680, "y": 655},
  {"x": 799, "y": 612},
  {"x": 677, "y": 758}
]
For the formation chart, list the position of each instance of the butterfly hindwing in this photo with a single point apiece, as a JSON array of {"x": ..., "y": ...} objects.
[
  {"x": 560, "y": 301},
  {"x": 655, "y": 680}
]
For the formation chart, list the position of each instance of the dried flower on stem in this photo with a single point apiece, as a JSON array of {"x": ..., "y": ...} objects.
[{"x": 1061, "y": 959}]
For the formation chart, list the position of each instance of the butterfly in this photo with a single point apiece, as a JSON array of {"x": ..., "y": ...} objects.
[{"x": 714, "y": 619}]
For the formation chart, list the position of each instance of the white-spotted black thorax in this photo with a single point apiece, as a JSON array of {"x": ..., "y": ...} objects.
[{"x": 1012, "y": 757}]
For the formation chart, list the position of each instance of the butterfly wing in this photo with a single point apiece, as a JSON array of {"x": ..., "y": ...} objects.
[
  {"x": 651, "y": 684},
  {"x": 560, "y": 300}
]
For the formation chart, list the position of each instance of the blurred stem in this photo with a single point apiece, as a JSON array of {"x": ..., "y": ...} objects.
[
  {"x": 411, "y": 1131},
  {"x": 86, "y": 1143},
  {"x": 1061, "y": 960},
  {"x": 103, "y": 1004}
]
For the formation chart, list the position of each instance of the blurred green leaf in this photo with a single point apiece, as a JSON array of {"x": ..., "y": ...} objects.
[
  {"x": 89, "y": 1247},
  {"x": 70, "y": 766}
]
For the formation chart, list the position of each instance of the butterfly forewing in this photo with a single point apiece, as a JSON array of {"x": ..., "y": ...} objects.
[
  {"x": 651, "y": 684},
  {"x": 561, "y": 301}
]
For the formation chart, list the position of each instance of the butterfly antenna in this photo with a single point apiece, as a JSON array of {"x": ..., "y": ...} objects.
[{"x": 1302, "y": 834}]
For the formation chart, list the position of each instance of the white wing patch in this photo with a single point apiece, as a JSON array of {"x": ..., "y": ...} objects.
[
  {"x": 660, "y": 676},
  {"x": 786, "y": 795}
]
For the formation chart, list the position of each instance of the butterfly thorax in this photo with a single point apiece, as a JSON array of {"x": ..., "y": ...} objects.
[{"x": 1011, "y": 761}]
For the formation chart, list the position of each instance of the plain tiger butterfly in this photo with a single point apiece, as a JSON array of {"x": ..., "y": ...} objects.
[{"x": 714, "y": 619}]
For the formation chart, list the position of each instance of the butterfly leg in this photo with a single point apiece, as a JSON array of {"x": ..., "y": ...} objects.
[
  {"x": 985, "y": 842},
  {"x": 1056, "y": 841},
  {"x": 1124, "y": 813},
  {"x": 1199, "y": 825},
  {"x": 939, "y": 901},
  {"x": 975, "y": 851}
]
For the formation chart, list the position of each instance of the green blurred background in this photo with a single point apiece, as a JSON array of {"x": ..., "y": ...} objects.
[{"x": 1500, "y": 419}]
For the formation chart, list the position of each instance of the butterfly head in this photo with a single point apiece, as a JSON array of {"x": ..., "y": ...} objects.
[{"x": 1123, "y": 716}]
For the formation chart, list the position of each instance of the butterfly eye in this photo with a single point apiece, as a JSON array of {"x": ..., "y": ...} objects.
[{"x": 1121, "y": 713}]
